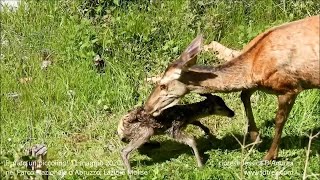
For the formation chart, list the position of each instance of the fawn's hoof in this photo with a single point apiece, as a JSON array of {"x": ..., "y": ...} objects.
[
  {"x": 200, "y": 162},
  {"x": 200, "y": 165}
]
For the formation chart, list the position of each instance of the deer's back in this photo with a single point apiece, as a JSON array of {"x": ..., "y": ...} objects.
[{"x": 286, "y": 58}]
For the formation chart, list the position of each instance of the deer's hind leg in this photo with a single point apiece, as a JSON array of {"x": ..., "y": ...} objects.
[
  {"x": 252, "y": 127},
  {"x": 190, "y": 141},
  {"x": 285, "y": 103}
]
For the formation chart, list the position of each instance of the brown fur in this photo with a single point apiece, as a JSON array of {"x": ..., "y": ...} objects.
[
  {"x": 283, "y": 61},
  {"x": 137, "y": 126}
]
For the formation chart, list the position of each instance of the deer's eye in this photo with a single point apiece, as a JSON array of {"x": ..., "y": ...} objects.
[{"x": 163, "y": 87}]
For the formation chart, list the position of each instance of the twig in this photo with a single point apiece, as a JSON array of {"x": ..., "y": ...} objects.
[
  {"x": 314, "y": 175},
  {"x": 311, "y": 137},
  {"x": 244, "y": 157},
  {"x": 237, "y": 140},
  {"x": 251, "y": 149},
  {"x": 278, "y": 174}
]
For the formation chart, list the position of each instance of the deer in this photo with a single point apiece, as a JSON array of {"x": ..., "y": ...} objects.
[
  {"x": 283, "y": 61},
  {"x": 136, "y": 127}
]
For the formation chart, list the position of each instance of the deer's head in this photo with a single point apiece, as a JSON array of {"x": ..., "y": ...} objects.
[{"x": 169, "y": 89}]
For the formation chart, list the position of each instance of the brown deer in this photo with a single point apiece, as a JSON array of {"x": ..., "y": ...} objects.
[
  {"x": 137, "y": 126},
  {"x": 283, "y": 61}
]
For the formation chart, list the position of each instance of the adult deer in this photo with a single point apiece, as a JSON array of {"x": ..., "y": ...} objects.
[{"x": 282, "y": 61}]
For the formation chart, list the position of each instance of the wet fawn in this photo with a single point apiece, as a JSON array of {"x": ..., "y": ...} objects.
[{"x": 137, "y": 126}]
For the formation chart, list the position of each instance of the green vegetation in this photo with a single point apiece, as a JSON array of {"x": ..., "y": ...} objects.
[{"x": 74, "y": 110}]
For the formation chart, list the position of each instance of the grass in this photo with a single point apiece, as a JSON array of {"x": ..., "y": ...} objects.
[{"x": 75, "y": 111}]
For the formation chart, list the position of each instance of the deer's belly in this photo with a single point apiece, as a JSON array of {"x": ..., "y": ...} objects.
[{"x": 281, "y": 83}]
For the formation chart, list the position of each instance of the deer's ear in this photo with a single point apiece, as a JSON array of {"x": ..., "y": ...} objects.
[
  {"x": 189, "y": 56},
  {"x": 187, "y": 59}
]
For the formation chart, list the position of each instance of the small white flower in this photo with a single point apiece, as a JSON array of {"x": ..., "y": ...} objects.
[
  {"x": 4, "y": 42},
  {"x": 13, "y": 95},
  {"x": 99, "y": 102},
  {"x": 71, "y": 93},
  {"x": 45, "y": 64}
]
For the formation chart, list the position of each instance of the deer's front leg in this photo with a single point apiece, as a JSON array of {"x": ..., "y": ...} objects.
[
  {"x": 183, "y": 138},
  {"x": 252, "y": 127},
  {"x": 285, "y": 103},
  {"x": 140, "y": 139}
]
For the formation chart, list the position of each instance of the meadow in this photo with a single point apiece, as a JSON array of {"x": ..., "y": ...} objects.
[{"x": 75, "y": 110}]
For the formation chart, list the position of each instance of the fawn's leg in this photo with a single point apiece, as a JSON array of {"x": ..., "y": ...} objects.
[
  {"x": 252, "y": 127},
  {"x": 203, "y": 127},
  {"x": 134, "y": 144},
  {"x": 181, "y": 137},
  {"x": 285, "y": 103}
]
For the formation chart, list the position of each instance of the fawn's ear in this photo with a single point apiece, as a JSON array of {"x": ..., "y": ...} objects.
[{"x": 189, "y": 56}]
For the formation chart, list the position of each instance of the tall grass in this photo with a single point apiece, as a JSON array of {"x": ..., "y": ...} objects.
[{"x": 75, "y": 110}]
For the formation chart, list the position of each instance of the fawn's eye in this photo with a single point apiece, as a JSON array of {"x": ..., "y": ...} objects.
[{"x": 163, "y": 87}]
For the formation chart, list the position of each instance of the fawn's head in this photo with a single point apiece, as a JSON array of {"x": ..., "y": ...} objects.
[
  {"x": 136, "y": 123},
  {"x": 215, "y": 105},
  {"x": 170, "y": 89},
  {"x": 127, "y": 122}
]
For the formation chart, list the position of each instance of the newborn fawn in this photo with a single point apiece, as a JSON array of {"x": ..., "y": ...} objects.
[{"x": 137, "y": 126}]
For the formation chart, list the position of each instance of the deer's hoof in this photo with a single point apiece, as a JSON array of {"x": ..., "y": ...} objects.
[
  {"x": 254, "y": 136},
  {"x": 270, "y": 157}
]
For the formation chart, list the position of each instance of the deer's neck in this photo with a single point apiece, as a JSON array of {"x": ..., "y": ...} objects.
[{"x": 232, "y": 76}]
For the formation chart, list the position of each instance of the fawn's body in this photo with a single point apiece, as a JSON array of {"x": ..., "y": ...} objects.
[
  {"x": 137, "y": 126},
  {"x": 283, "y": 61}
]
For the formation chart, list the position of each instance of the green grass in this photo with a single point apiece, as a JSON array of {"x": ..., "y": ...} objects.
[{"x": 75, "y": 111}]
